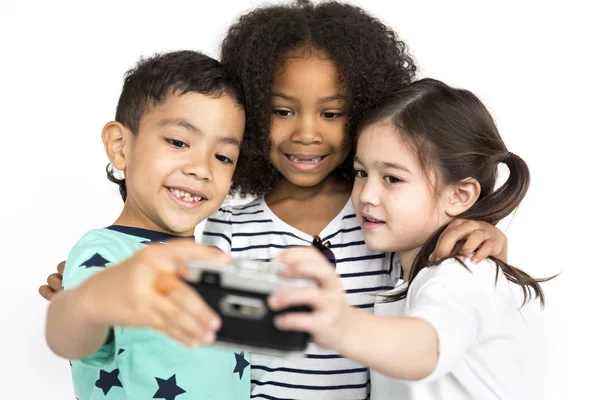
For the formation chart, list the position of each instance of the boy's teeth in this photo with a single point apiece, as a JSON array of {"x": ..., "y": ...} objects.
[
  {"x": 180, "y": 194},
  {"x": 311, "y": 161}
]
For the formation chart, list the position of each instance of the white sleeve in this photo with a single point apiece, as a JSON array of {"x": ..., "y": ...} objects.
[
  {"x": 217, "y": 230},
  {"x": 461, "y": 305}
]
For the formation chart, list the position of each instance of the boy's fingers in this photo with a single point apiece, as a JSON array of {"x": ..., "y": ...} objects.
[
  {"x": 55, "y": 282},
  {"x": 46, "y": 292},
  {"x": 61, "y": 268},
  {"x": 187, "y": 299},
  {"x": 173, "y": 319},
  {"x": 165, "y": 282}
]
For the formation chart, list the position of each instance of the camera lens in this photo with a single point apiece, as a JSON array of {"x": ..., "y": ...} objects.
[{"x": 211, "y": 278}]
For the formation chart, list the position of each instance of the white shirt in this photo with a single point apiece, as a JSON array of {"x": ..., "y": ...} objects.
[
  {"x": 478, "y": 323},
  {"x": 253, "y": 231}
]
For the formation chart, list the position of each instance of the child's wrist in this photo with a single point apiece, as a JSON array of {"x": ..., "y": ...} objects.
[
  {"x": 347, "y": 338},
  {"x": 86, "y": 304}
]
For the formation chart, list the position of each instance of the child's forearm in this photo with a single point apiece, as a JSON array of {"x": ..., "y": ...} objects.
[
  {"x": 403, "y": 348},
  {"x": 69, "y": 331}
]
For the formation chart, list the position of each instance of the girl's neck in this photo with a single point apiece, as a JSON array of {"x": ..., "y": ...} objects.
[
  {"x": 407, "y": 258},
  {"x": 309, "y": 209}
]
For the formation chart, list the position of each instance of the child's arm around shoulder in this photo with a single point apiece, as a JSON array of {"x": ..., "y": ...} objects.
[
  {"x": 79, "y": 318},
  {"x": 480, "y": 240}
]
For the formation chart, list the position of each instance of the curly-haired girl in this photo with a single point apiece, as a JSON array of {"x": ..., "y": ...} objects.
[{"x": 309, "y": 73}]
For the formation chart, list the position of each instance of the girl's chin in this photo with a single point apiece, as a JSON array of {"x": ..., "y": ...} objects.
[{"x": 379, "y": 245}]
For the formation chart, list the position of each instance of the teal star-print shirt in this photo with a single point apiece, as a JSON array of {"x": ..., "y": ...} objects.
[{"x": 143, "y": 363}]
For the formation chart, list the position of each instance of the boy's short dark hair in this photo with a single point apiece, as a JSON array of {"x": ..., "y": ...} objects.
[{"x": 153, "y": 79}]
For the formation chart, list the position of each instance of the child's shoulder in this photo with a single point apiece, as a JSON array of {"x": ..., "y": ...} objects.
[
  {"x": 104, "y": 238},
  {"x": 452, "y": 270},
  {"x": 94, "y": 251},
  {"x": 482, "y": 280}
]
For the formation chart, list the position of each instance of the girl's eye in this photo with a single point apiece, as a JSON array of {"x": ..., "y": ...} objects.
[
  {"x": 223, "y": 159},
  {"x": 331, "y": 115},
  {"x": 392, "y": 179},
  {"x": 177, "y": 143},
  {"x": 359, "y": 173},
  {"x": 283, "y": 113}
]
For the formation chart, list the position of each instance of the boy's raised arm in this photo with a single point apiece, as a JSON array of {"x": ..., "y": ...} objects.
[{"x": 128, "y": 294}]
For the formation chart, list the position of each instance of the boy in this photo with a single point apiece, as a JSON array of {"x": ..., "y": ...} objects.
[{"x": 176, "y": 137}]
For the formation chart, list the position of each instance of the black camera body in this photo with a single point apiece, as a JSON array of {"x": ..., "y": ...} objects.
[{"x": 238, "y": 292}]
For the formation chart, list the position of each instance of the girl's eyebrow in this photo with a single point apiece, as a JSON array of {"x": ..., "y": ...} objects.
[
  {"x": 326, "y": 99},
  {"x": 385, "y": 164},
  {"x": 335, "y": 97}
]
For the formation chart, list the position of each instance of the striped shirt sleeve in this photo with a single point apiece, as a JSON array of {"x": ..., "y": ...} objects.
[{"x": 217, "y": 230}]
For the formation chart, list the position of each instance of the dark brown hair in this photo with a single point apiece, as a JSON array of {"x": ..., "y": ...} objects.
[
  {"x": 371, "y": 60},
  {"x": 453, "y": 133}
]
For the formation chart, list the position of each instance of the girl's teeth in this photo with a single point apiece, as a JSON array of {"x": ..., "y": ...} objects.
[{"x": 312, "y": 161}]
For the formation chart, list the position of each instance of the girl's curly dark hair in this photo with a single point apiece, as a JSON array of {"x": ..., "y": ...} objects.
[{"x": 372, "y": 62}]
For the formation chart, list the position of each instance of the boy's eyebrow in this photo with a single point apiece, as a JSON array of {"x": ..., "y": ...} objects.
[
  {"x": 191, "y": 127},
  {"x": 385, "y": 164},
  {"x": 335, "y": 97}
]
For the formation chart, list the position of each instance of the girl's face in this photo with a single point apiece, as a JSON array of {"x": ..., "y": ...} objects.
[
  {"x": 308, "y": 118},
  {"x": 395, "y": 200}
]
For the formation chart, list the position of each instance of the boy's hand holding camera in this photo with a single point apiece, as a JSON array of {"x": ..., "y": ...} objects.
[{"x": 145, "y": 291}]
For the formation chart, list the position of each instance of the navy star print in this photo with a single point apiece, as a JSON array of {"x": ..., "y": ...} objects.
[
  {"x": 167, "y": 389},
  {"x": 108, "y": 380},
  {"x": 240, "y": 364},
  {"x": 95, "y": 261}
]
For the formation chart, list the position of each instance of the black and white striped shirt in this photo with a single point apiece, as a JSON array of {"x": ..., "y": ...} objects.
[{"x": 253, "y": 231}]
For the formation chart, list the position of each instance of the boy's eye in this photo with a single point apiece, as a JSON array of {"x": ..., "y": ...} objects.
[
  {"x": 223, "y": 159},
  {"x": 283, "y": 113},
  {"x": 176, "y": 143},
  {"x": 331, "y": 115},
  {"x": 359, "y": 173},
  {"x": 392, "y": 179}
]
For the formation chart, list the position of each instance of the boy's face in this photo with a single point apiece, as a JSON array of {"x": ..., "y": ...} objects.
[{"x": 179, "y": 166}]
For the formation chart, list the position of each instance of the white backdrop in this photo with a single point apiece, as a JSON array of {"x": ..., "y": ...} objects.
[{"x": 535, "y": 66}]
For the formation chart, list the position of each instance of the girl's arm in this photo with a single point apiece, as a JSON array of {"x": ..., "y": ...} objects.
[
  {"x": 449, "y": 311},
  {"x": 129, "y": 294},
  {"x": 403, "y": 348}
]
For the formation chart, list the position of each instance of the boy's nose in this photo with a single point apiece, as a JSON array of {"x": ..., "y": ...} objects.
[{"x": 199, "y": 169}]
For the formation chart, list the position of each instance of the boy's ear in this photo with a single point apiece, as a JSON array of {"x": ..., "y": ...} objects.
[
  {"x": 462, "y": 196},
  {"x": 116, "y": 138}
]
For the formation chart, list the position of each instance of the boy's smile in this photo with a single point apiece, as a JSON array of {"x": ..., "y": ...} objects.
[{"x": 178, "y": 167}]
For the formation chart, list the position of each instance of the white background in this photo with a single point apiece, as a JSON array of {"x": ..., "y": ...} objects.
[{"x": 534, "y": 65}]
